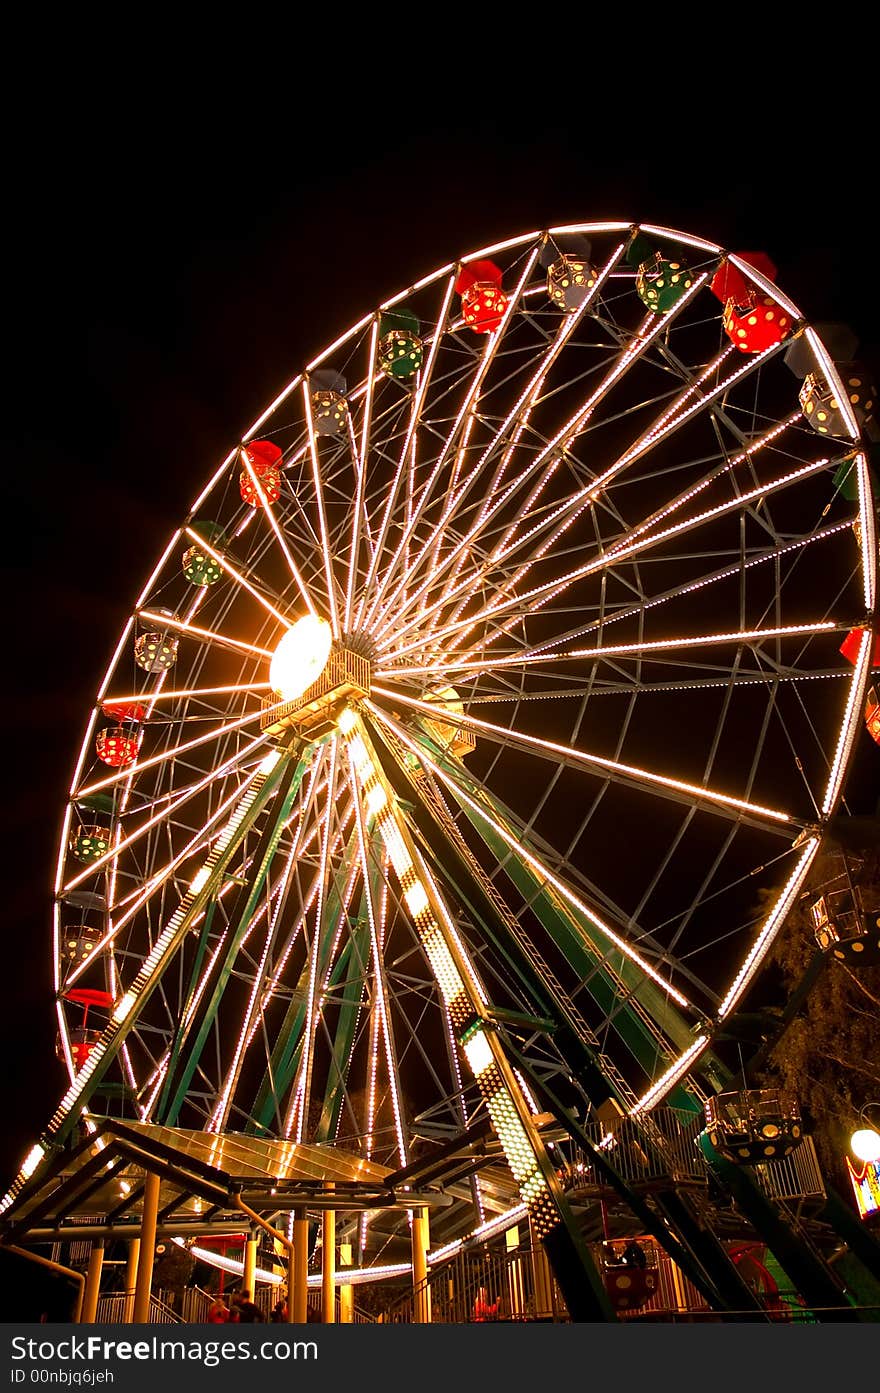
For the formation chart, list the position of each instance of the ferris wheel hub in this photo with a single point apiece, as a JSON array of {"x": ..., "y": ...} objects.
[{"x": 343, "y": 680}]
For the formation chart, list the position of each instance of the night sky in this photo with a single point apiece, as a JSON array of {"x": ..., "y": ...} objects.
[{"x": 166, "y": 282}]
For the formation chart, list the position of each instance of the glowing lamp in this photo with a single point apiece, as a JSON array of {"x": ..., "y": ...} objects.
[
  {"x": 199, "y": 567},
  {"x": 569, "y": 281},
  {"x": 755, "y": 324},
  {"x": 155, "y": 651},
  {"x": 329, "y": 406},
  {"x": 660, "y": 283},
  {"x": 865, "y": 1144},
  {"x": 483, "y": 301},
  {"x": 400, "y": 348},
  {"x": 300, "y": 657}
]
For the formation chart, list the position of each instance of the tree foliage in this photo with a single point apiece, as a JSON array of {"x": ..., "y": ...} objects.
[{"x": 829, "y": 1057}]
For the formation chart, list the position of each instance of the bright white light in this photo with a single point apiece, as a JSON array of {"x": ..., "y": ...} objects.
[
  {"x": 347, "y": 721},
  {"x": 32, "y": 1160},
  {"x": 416, "y": 899},
  {"x": 199, "y": 880},
  {"x": 300, "y": 657},
  {"x": 124, "y": 1007},
  {"x": 479, "y": 1054},
  {"x": 865, "y": 1144}
]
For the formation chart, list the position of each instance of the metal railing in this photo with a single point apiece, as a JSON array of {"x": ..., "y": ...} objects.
[
  {"x": 477, "y": 1287},
  {"x": 795, "y": 1177},
  {"x": 669, "y": 1152},
  {"x": 112, "y": 1310}
]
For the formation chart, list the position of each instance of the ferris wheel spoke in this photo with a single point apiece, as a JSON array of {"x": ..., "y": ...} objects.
[
  {"x": 326, "y": 551},
  {"x": 530, "y": 601},
  {"x": 384, "y": 1024},
  {"x": 359, "y": 457},
  {"x": 526, "y": 659},
  {"x": 454, "y": 495},
  {"x": 648, "y": 331},
  {"x": 220, "y": 1115},
  {"x": 243, "y": 918},
  {"x": 188, "y": 693},
  {"x": 206, "y": 635},
  {"x": 518, "y": 418},
  {"x": 303, "y": 1087},
  {"x": 542, "y": 869},
  {"x": 164, "y": 813},
  {"x": 367, "y": 597},
  {"x": 140, "y": 766},
  {"x": 234, "y": 573},
  {"x": 459, "y": 433},
  {"x": 567, "y": 512},
  {"x": 677, "y": 790}
]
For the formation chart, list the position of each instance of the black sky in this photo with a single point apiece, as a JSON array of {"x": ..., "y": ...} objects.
[{"x": 163, "y": 282}]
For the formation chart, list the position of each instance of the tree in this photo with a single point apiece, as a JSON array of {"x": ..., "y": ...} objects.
[{"x": 829, "y": 1057}]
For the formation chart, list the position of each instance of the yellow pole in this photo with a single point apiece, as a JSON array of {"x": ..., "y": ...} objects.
[
  {"x": 134, "y": 1248},
  {"x": 298, "y": 1301},
  {"x": 514, "y": 1273},
  {"x": 677, "y": 1283},
  {"x": 250, "y": 1266},
  {"x": 93, "y": 1283},
  {"x": 56, "y": 1267},
  {"x": 346, "y": 1291},
  {"x": 328, "y": 1267},
  {"x": 279, "y": 1238},
  {"x": 141, "y": 1313},
  {"x": 420, "y": 1242},
  {"x": 540, "y": 1276}
]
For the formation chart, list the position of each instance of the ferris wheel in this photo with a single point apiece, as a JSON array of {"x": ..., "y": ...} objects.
[{"x": 475, "y": 731}]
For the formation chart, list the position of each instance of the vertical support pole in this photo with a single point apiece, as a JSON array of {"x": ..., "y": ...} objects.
[
  {"x": 93, "y": 1283},
  {"x": 328, "y": 1267},
  {"x": 134, "y": 1248},
  {"x": 299, "y": 1301},
  {"x": 346, "y": 1291},
  {"x": 514, "y": 1274},
  {"x": 540, "y": 1277},
  {"x": 141, "y": 1312},
  {"x": 677, "y": 1283},
  {"x": 420, "y": 1242},
  {"x": 291, "y": 1283},
  {"x": 248, "y": 1279}
]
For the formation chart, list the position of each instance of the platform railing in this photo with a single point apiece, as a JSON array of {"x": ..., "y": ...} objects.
[{"x": 474, "y": 1288}]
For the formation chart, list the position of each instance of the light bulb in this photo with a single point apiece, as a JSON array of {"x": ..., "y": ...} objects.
[
  {"x": 865, "y": 1144},
  {"x": 300, "y": 657}
]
